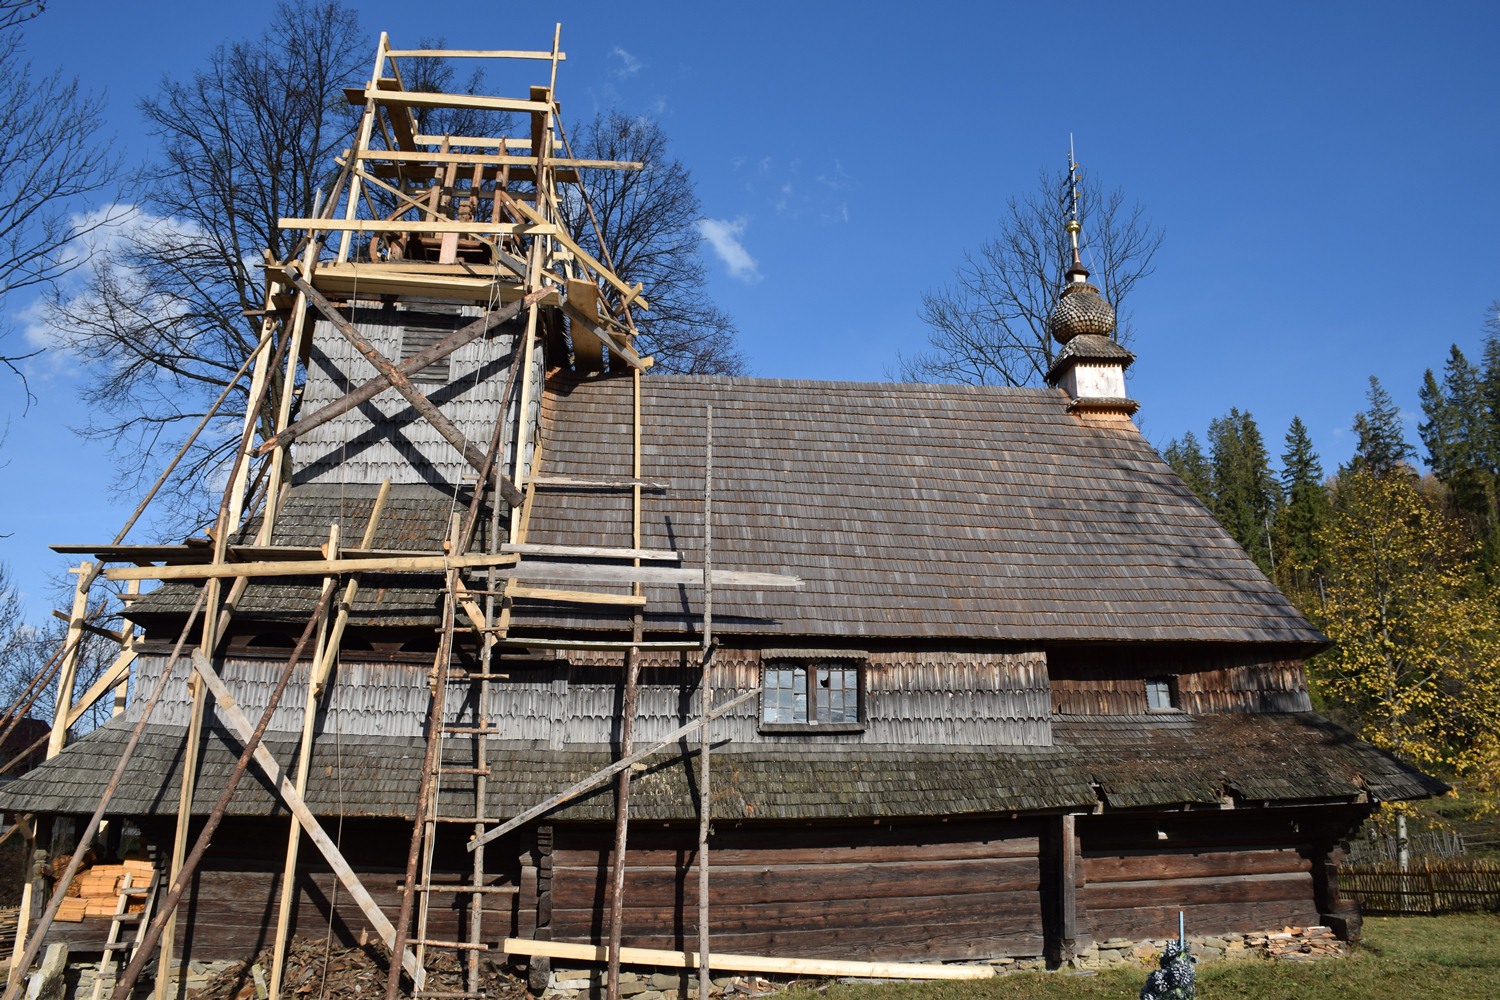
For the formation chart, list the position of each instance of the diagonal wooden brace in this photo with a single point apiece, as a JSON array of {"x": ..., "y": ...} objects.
[
  {"x": 402, "y": 384},
  {"x": 369, "y": 390},
  {"x": 234, "y": 717}
]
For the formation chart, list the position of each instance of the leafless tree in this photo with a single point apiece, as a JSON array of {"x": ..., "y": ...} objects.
[
  {"x": 13, "y": 12},
  {"x": 989, "y": 327},
  {"x": 648, "y": 219},
  {"x": 247, "y": 140},
  {"x": 51, "y": 160}
]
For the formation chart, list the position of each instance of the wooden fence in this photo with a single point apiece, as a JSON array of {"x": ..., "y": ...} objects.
[{"x": 1425, "y": 887}]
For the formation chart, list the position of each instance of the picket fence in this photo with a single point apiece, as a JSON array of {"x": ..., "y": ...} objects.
[{"x": 1427, "y": 886}]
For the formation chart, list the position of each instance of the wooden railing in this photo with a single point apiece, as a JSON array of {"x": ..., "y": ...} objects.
[{"x": 1434, "y": 886}]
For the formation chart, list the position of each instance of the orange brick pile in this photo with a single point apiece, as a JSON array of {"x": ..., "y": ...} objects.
[{"x": 95, "y": 891}]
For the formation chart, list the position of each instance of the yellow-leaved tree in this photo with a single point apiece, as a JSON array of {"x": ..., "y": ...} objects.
[{"x": 1416, "y": 631}]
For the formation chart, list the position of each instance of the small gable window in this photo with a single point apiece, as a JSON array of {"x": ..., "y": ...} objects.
[
  {"x": 1161, "y": 694},
  {"x": 826, "y": 696}
]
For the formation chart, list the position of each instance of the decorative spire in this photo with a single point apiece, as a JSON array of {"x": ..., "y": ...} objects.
[
  {"x": 1080, "y": 308},
  {"x": 1091, "y": 365}
]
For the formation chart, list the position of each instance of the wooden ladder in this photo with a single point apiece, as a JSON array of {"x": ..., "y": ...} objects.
[
  {"x": 461, "y": 754},
  {"x": 122, "y": 917}
]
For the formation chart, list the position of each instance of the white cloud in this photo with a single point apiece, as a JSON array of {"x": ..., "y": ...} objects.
[
  {"x": 723, "y": 236},
  {"x": 105, "y": 237},
  {"x": 629, "y": 64}
]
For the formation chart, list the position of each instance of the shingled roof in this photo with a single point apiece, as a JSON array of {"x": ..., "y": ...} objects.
[
  {"x": 909, "y": 510},
  {"x": 1125, "y": 763}
]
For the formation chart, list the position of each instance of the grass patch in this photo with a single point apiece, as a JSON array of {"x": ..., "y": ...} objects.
[{"x": 1402, "y": 958}]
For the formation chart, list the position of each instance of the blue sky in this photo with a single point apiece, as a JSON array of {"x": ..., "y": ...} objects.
[{"x": 1324, "y": 173}]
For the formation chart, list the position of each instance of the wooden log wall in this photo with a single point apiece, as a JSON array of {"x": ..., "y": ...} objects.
[
  {"x": 1097, "y": 681},
  {"x": 230, "y": 910},
  {"x": 936, "y": 892},
  {"x": 1226, "y": 872}
]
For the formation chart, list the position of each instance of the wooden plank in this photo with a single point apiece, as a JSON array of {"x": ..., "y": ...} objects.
[
  {"x": 600, "y": 644},
  {"x": 606, "y": 338},
  {"x": 649, "y": 575},
  {"x": 750, "y": 963},
  {"x": 233, "y": 716},
  {"x": 475, "y": 54},
  {"x": 574, "y": 596},
  {"x": 476, "y": 227},
  {"x": 599, "y": 482},
  {"x": 311, "y": 567},
  {"x": 489, "y": 159},
  {"x": 588, "y": 551},
  {"x": 470, "y": 102}
]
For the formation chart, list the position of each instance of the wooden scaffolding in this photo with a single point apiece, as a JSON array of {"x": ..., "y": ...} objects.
[{"x": 418, "y": 213}]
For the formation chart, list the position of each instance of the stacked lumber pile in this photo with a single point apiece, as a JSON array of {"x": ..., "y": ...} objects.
[
  {"x": 1303, "y": 943},
  {"x": 95, "y": 890}
]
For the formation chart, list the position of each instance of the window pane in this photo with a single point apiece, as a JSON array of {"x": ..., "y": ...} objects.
[
  {"x": 838, "y": 694},
  {"x": 784, "y": 695},
  {"x": 1159, "y": 693}
]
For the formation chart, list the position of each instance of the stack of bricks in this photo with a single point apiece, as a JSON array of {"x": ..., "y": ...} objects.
[{"x": 95, "y": 891}]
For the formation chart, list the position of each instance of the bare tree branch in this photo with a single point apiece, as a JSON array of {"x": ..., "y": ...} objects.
[
  {"x": 51, "y": 159},
  {"x": 989, "y": 327},
  {"x": 161, "y": 324},
  {"x": 649, "y": 222}
]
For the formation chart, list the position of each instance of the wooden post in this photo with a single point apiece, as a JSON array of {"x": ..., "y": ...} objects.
[
  {"x": 705, "y": 812},
  {"x": 73, "y": 645},
  {"x": 627, "y": 725},
  {"x": 304, "y": 755},
  {"x": 1067, "y": 888}
]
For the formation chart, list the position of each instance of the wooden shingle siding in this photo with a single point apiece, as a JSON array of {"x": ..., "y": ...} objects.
[
  {"x": 926, "y": 892},
  {"x": 937, "y": 511},
  {"x": 1113, "y": 681},
  {"x": 386, "y": 438}
]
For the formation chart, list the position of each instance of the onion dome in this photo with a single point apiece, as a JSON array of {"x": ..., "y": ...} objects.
[{"x": 1080, "y": 309}]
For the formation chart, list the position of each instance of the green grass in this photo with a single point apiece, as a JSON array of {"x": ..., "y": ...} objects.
[{"x": 1402, "y": 958}]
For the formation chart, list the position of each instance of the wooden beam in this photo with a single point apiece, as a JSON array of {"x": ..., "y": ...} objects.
[
  {"x": 476, "y": 227},
  {"x": 750, "y": 963},
  {"x": 92, "y": 629},
  {"x": 515, "y": 642},
  {"x": 312, "y": 567},
  {"x": 650, "y": 575},
  {"x": 472, "y": 54},
  {"x": 469, "y": 102},
  {"x": 87, "y": 573},
  {"x": 593, "y": 482},
  {"x": 601, "y": 776},
  {"x": 234, "y": 717},
  {"x": 490, "y": 159},
  {"x": 588, "y": 551},
  {"x": 574, "y": 596},
  {"x": 107, "y": 681},
  {"x": 604, "y": 337},
  {"x": 403, "y": 385}
]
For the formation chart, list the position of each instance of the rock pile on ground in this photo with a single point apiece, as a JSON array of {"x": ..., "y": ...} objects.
[{"x": 1301, "y": 944}]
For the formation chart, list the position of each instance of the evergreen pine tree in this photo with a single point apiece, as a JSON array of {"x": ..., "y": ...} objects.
[
  {"x": 1187, "y": 460},
  {"x": 1245, "y": 493},
  {"x": 1300, "y": 551},
  {"x": 1382, "y": 447}
]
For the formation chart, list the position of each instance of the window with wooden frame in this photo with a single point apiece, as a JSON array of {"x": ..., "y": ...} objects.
[
  {"x": 812, "y": 694},
  {"x": 1161, "y": 694}
]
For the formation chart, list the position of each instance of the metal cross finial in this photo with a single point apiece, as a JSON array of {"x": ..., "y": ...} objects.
[{"x": 1073, "y": 226}]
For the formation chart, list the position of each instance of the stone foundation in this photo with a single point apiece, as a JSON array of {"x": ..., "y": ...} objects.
[{"x": 1288, "y": 944}]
